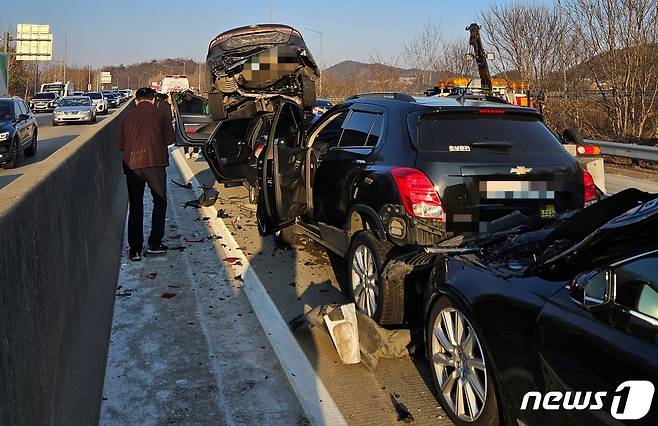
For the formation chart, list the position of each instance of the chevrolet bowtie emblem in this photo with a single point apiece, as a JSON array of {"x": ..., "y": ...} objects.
[{"x": 520, "y": 170}]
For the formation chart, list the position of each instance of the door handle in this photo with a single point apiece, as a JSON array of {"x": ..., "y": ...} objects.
[{"x": 359, "y": 161}]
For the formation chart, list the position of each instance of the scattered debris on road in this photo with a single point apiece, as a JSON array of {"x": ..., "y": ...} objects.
[
  {"x": 404, "y": 415},
  {"x": 168, "y": 295}
]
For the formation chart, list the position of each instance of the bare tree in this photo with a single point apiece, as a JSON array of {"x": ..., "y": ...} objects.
[
  {"x": 384, "y": 74},
  {"x": 529, "y": 38},
  {"x": 423, "y": 52},
  {"x": 621, "y": 38},
  {"x": 453, "y": 61}
]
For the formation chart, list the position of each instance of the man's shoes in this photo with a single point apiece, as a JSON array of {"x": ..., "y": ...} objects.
[
  {"x": 157, "y": 249},
  {"x": 188, "y": 155},
  {"x": 195, "y": 155},
  {"x": 135, "y": 255}
]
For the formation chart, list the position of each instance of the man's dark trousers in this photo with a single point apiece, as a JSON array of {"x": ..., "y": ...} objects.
[{"x": 156, "y": 178}]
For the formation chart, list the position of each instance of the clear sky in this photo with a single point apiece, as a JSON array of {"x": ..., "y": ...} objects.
[{"x": 117, "y": 32}]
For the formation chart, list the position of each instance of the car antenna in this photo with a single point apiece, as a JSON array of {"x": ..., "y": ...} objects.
[{"x": 460, "y": 99}]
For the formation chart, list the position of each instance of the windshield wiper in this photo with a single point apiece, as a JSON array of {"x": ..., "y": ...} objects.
[{"x": 494, "y": 144}]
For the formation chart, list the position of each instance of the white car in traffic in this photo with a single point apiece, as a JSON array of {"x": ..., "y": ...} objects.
[{"x": 99, "y": 101}]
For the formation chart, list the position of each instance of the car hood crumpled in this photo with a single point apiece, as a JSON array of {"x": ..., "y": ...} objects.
[{"x": 618, "y": 227}]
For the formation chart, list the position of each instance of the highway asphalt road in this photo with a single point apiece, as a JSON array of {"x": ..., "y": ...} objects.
[{"x": 50, "y": 140}]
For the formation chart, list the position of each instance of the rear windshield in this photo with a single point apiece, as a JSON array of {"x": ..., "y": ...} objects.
[
  {"x": 49, "y": 95},
  {"x": 460, "y": 132},
  {"x": 74, "y": 102},
  {"x": 95, "y": 95}
]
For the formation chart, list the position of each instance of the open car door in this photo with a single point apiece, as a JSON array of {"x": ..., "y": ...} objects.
[
  {"x": 194, "y": 121},
  {"x": 282, "y": 171},
  {"x": 223, "y": 141}
]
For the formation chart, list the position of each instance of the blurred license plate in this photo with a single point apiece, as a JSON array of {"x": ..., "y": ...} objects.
[{"x": 516, "y": 190}]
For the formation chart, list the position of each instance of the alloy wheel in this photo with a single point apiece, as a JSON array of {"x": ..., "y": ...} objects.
[
  {"x": 459, "y": 364},
  {"x": 364, "y": 280}
]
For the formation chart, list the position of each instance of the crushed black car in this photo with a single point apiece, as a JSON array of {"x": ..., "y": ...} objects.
[
  {"x": 568, "y": 310},
  {"x": 250, "y": 69},
  {"x": 250, "y": 72}
]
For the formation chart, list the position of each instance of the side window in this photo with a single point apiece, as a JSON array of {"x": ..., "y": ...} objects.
[
  {"x": 26, "y": 107},
  {"x": 636, "y": 285},
  {"x": 376, "y": 131},
  {"x": 19, "y": 108},
  {"x": 330, "y": 133},
  {"x": 288, "y": 127},
  {"x": 355, "y": 133},
  {"x": 192, "y": 105}
]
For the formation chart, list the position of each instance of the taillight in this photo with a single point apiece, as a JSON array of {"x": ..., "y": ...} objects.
[
  {"x": 418, "y": 194},
  {"x": 492, "y": 111},
  {"x": 590, "y": 193},
  {"x": 588, "y": 150}
]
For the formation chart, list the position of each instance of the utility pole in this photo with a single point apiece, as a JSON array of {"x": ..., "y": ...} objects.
[{"x": 66, "y": 41}]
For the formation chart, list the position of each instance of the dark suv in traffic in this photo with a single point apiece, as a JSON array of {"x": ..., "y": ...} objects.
[
  {"x": 18, "y": 131},
  {"x": 380, "y": 174}
]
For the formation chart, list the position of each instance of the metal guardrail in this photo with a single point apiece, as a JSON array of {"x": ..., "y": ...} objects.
[{"x": 636, "y": 152}]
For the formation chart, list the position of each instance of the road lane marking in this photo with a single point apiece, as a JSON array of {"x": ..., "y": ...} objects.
[{"x": 313, "y": 396}]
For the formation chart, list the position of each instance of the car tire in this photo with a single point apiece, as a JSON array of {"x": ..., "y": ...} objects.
[
  {"x": 462, "y": 366},
  {"x": 55, "y": 124},
  {"x": 379, "y": 299},
  {"x": 286, "y": 237},
  {"x": 13, "y": 162},
  {"x": 31, "y": 150}
]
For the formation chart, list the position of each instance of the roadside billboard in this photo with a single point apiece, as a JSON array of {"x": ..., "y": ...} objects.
[
  {"x": 106, "y": 77},
  {"x": 4, "y": 76},
  {"x": 33, "y": 42}
]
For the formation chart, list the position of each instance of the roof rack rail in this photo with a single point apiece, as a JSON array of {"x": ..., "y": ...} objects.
[{"x": 399, "y": 96}]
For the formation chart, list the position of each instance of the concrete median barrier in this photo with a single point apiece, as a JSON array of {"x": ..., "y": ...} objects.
[{"x": 61, "y": 229}]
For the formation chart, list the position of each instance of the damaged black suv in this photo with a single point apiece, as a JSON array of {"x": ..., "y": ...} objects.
[{"x": 381, "y": 174}]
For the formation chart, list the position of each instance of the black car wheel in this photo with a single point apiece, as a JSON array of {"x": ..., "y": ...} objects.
[
  {"x": 31, "y": 150},
  {"x": 13, "y": 161},
  {"x": 380, "y": 299},
  {"x": 459, "y": 368}
]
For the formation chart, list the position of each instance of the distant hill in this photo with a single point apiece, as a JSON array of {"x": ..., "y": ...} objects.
[{"x": 350, "y": 69}]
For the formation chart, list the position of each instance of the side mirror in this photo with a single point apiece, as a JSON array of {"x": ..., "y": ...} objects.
[
  {"x": 591, "y": 289},
  {"x": 22, "y": 117}
]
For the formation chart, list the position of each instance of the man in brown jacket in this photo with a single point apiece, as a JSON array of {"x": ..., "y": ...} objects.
[{"x": 144, "y": 135}]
